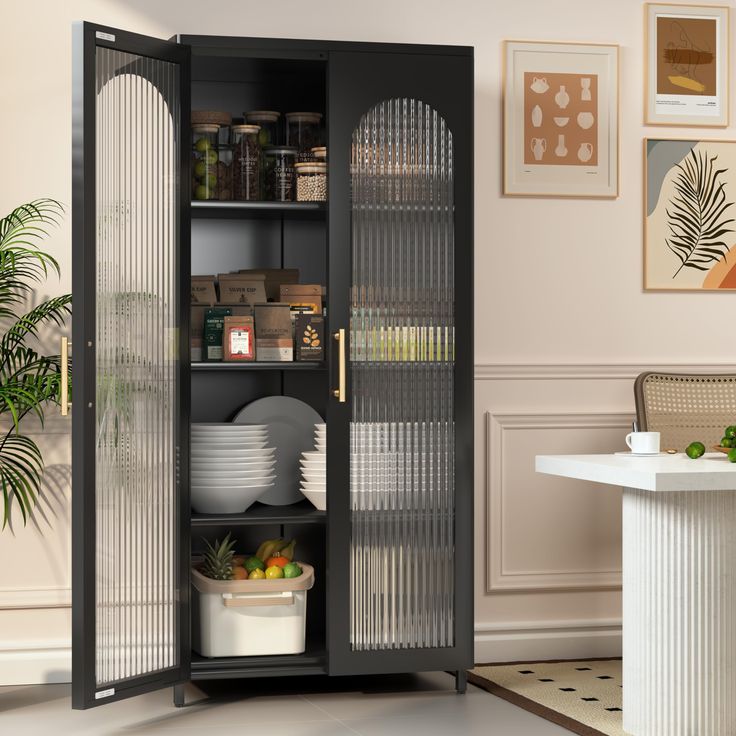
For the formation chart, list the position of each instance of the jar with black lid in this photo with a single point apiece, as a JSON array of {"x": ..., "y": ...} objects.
[
  {"x": 246, "y": 165},
  {"x": 279, "y": 178}
]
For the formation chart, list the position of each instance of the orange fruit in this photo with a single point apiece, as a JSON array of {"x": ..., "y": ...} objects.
[{"x": 278, "y": 561}]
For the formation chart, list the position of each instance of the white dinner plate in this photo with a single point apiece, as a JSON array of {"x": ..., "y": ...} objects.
[
  {"x": 265, "y": 454},
  {"x": 228, "y": 427},
  {"x": 223, "y": 474},
  {"x": 290, "y": 429},
  {"x": 235, "y": 483}
]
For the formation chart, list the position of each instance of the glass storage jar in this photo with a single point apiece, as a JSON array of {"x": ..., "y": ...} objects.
[
  {"x": 303, "y": 130},
  {"x": 279, "y": 173},
  {"x": 319, "y": 153},
  {"x": 311, "y": 182},
  {"x": 269, "y": 120},
  {"x": 205, "y": 157},
  {"x": 224, "y": 172},
  {"x": 246, "y": 167}
]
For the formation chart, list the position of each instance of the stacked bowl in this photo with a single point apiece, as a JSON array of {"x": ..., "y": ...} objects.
[
  {"x": 231, "y": 466},
  {"x": 314, "y": 469}
]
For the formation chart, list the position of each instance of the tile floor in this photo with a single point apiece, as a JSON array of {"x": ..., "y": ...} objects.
[{"x": 410, "y": 705}]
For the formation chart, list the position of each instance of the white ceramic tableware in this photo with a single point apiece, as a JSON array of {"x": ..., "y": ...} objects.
[
  {"x": 228, "y": 427},
  {"x": 314, "y": 477},
  {"x": 234, "y": 464},
  {"x": 234, "y": 482},
  {"x": 243, "y": 473},
  {"x": 210, "y": 445},
  {"x": 265, "y": 453},
  {"x": 643, "y": 442},
  {"x": 318, "y": 499},
  {"x": 213, "y": 500}
]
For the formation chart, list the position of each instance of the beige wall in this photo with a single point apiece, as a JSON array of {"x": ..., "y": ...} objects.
[{"x": 562, "y": 322}]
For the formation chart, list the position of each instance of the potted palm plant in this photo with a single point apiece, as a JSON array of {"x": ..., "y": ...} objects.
[{"x": 29, "y": 379}]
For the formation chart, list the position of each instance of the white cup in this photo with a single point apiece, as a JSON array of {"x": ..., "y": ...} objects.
[{"x": 643, "y": 443}]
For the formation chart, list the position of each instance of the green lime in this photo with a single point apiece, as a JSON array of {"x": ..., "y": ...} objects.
[
  {"x": 253, "y": 563},
  {"x": 695, "y": 450},
  {"x": 200, "y": 169},
  {"x": 202, "y": 145},
  {"x": 730, "y": 431},
  {"x": 732, "y": 455},
  {"x": 211, "y": 156},
  {"x": 200, "y": 192},
  {"x": 292, "y": 570},
  {"x": 727, "y": 442}
]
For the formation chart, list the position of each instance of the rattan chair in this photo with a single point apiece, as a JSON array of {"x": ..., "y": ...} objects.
[{"x": 685, "y": 408}]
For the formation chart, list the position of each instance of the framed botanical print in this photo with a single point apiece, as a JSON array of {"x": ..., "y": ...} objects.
[
  {"x": 689, "y": 215},
  {"x": 560, "y": 119},
  {"x": 687, "y": 65}
]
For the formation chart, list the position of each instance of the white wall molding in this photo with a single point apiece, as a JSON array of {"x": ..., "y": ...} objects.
[
  {"x": 31, "y": 598},
  {"x": 519, "y": 641},
  {"x": 498, "y": 577},
  {"x": 35, "y": 662},
  {"x": 587, "y": 371}
]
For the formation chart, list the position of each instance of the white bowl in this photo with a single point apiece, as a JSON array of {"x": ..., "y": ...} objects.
[
  {"x": 314, "y": 478},
  {"x": 312, "y": 455},
  {"x": 228, "y": 427},
  {"x": 211, "y": 444},
  {"x": 246, "y": 453},
  {"x": 213, "y": 500},
  {"x": 233, "y": 482},
  {"x": 318, "y": 499},
  {"x": 243, "y": 473}
]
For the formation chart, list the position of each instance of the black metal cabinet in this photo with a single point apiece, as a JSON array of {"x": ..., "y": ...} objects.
[{"x": 393, "y": 244}]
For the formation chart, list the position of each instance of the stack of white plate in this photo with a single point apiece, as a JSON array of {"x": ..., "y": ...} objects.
[
  {"x": 314, "y": 469},
  {"x": 232, "y": 466}
]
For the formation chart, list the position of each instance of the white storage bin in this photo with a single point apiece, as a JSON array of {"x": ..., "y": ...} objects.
[{"x": 244, "y": 618}]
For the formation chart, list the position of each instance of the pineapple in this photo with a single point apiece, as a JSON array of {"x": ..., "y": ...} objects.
[{"x": 218, "y": 559}]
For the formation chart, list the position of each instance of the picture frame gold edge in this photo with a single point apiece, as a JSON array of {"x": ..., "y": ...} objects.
[
  {"x": 542, "y": 195},
  {"x": 652, "y": 289},
  {"x": 727, "y": 82}
]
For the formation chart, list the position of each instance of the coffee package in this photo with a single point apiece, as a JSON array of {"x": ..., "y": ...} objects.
[
  {"x": 238, "y": 339},
  {"x": 203, "y": 290},
  {"x": 237, "y": 289},
  {"x": 309, "y": 337},
  {"x": 214, "y": 323},
  {"x": 273, "y": 278},
  {"x": 273, "y": 332}
]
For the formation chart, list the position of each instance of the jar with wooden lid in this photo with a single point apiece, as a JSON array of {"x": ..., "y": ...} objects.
[
  {"x": 246, "y": 166},
  {"x": 270, "y": 124},
  {"x": 311, "y": 181},
  {"x": 205, "y": 157},
  {"x": 319, "y": 153}
]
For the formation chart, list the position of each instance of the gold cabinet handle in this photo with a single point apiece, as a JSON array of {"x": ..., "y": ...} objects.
[
  {"x": 64, "y": 390},
  {"x": 339, "y": 392}
]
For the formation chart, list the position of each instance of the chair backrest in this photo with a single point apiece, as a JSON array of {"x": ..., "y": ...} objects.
[{"x": 685, "y": 408}]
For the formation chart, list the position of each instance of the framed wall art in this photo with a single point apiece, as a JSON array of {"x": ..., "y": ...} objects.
[
  {"x": 560, "y": 119},
  {"x": 689, "y": 215},
  {"x": 687, "y": 65}
]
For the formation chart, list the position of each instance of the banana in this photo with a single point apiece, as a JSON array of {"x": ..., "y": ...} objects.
[
  {"x": 288, "y": 551},
  {"x": 268, "y": 547}
]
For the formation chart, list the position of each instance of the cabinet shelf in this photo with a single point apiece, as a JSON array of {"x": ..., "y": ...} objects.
[
  {"x": 298, "y": 513},
  {"x": 260, "y": 366},
  {"x": 312, "y": 662},
  {"x": 267, "y": 210}
]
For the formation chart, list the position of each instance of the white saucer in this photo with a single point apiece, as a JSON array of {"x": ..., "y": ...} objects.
[{"x": 642, "y": 454}]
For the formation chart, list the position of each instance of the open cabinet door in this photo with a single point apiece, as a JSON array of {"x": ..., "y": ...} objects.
[
  {"x": 130, "y": 433},
  {"x": 400, "y": 466}
]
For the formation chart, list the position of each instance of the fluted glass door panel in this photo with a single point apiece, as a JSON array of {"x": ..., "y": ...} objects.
[
  {"x": 136, "y": 365},
  {"x": 401, "y": 364}
]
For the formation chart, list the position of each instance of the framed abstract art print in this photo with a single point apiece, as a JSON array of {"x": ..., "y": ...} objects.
[
  {"x": 687, "y": 65},
  {"x": 560, "y": 119}
]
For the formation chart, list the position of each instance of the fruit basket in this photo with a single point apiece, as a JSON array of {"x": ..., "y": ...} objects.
[{"x": 243, "y": 618}]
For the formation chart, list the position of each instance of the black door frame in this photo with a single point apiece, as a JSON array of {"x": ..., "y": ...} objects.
[
  {"x": 358, "y": 79},
  {"x": 86, "y": 38}
]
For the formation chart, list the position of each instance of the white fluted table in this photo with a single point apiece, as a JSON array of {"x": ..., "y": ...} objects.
[{"x": 679, "y": 588}]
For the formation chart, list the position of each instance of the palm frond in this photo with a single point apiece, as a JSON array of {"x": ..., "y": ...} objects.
[
  {"x": 696, "y": 214},
  {"x": 29, "y": 380}
]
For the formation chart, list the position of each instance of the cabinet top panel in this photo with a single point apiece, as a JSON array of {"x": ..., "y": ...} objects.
[{"x": 307, "y": 48}]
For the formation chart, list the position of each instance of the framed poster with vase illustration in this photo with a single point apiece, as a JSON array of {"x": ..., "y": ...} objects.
[
  {"x": 560, "y": 119},
  {"x": 686, "y": 65},
  {"x": 689, "y": 215}
]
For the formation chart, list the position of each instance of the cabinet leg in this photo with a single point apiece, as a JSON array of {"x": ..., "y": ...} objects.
[
  {"x": 179, "y": 696},
  {"x": 461, "y": 681}
]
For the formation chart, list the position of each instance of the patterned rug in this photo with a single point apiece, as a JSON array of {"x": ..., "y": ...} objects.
[{"x": 584, "y": 697}]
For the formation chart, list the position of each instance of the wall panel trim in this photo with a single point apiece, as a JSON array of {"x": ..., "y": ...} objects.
[
  {"x": 30, "y": 598},
  {"x": 588, "y": 371},
  {"x": 498, "y": 579}
]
